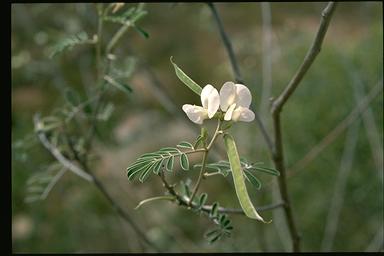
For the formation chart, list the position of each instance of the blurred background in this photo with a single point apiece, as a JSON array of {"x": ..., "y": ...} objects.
[{"x": 336, "y": 191}]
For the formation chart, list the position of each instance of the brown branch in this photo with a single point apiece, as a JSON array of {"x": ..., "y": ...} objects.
[
  {"x": 278, "y": 155},
  {"x": 236, "y": 70},
  {"x": 85, "y": 173},
  {"x": 326, "y": 16},
  {"x": 207, "y": 208},
  {"x": 227, "y": 44}
]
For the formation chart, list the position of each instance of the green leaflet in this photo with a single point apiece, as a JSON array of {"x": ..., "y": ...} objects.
[
  {"x": 170, "y": 161},
  {"x": 185, "y": 144},
  {"x": 154, "y": 162},
  {"x": 238, "y": 179},
  {"x": 141, "y": 31},
  {"x": 184, "y": 163},
  {"x": 252, "y": 179},
  {"x": 69, "y": 43},
  {"x": 121, "y": 86},
  {"x": 214, "y": 209},
  {"x": 72, "y": 97},
  {"x": 202, "y": 199},
  {"x": 186, "y": 79},
  {"x": 266, "y": 170}
]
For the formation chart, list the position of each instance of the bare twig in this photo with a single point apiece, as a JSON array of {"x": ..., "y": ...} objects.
[
  {"x": 339, "y": 188},
  {"x": 57, "y": 154},
  {"x": 227, "y": 44},
  {"x": 278, "y": 153},
  {"x": 236, "y": 70},
  {"x": 314, "y": 50},
  {"x": 339, "y": 129},
  {"x": 53, "y": 182},
  {"x": 87, "y": 175},
  {"x": 125, "y": 215}
]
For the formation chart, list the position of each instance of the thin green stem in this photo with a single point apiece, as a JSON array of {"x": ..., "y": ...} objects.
[
  {"x": 204, "y": 161},
  {"x": 208, "y": 174},
  {"x": 117, "y": 36},
  {"x": 214, "y": 135},
  {"x": 99, "y": 7}
]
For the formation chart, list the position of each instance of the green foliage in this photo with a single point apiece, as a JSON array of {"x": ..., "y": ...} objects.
[
  {"x": 185, "y": 144},
  {"x": 186, "y": 79},
  {"x": 129, "y": 18},
  {"x": 121, "y": 86},
  {"x": 221, "y": 221},
  {"x": 223, "y": 167},
  {"x": 72, "y": 97},
  {"x": 69, "y": 42},
  {"x": 153, "y": 162},
  {"x": 106, "y": 111},
  {"x": 40, "y": 184},
  {"x": 202, "y": 199},
  {"x": 184, "y": 163},
  {"x": 224, "y": 228}
]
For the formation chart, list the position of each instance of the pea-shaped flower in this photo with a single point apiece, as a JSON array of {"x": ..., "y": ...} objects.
[
  {"x": 210, "y": 100},
  {"x": 235, "y": 100}
]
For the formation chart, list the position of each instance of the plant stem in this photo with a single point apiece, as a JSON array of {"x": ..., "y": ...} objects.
[
  {"x": 204, "y": 161},
  {"x": 227, "y": 44},
  {"x": 85, "y": 173},
  {"x": 311, "y": 55},
  {"x": 236, "y": 70},
  {"x": 124, "y": 214},
  {"x": 214, "y": 135},
  {"x": 278, "y": 153},
  {"x": 99, "y": 7},
  {"x": 207, "y": 208}
]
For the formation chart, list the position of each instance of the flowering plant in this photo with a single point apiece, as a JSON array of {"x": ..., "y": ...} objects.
[{"x": 229, "y": 106}]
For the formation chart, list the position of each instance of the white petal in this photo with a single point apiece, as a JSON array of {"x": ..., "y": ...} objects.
[
  {"x": 243, "y": 96},
  {"x": 210, "y": 99},
  {"x": 205, "y": 93},
  {"x": 228, "y": 114},
  {"x": 196, "y": 114},
  {"x": 213, "y": 103},
  {"x": 243, "y": 114},
  {"x": 227, "y": 95}
]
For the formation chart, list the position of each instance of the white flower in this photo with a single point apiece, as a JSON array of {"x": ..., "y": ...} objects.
[
  {"x": 210, "y": 100},
  {"x": 235, "y": 100}
]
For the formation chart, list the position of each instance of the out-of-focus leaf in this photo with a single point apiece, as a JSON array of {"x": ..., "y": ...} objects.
[
  {"x": 72, "y": 97},
  {"x": 141, "y": 31},
  {"x": 121, "y": 86},
  {"x": 69, "y": 43}
]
